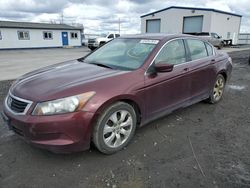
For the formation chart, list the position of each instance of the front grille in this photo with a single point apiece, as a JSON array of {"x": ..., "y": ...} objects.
[
  {"x": 91, "y": 41},
  {"x": 17, "y": 105}
]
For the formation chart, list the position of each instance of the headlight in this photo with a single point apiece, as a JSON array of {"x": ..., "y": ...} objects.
[{"x": 64, "y": 105}]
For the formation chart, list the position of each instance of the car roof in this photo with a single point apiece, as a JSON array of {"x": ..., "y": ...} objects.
[{"x": 157, "y": 36}]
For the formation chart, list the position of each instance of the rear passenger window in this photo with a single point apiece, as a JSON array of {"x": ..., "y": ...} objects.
[
  {"x": 197, "y": 49},
  {"x": 209, "y": 49},
  {"x": 173, "y": 53}
]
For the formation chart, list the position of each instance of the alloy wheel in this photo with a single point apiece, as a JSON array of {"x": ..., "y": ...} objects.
[
  {"x": 218, "y": 88},
  {"x": 118, "y": 128}
]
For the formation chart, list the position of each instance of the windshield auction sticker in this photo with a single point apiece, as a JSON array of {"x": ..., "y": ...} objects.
[{"x": 149, "y": 41}]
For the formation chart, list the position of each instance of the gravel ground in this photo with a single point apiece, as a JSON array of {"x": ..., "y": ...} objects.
[
  {"x": 165, "y": 153},
  {"x": 4, "y": 86}
]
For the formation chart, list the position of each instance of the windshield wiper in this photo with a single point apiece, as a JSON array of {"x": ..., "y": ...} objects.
[
  {"x": 81, "y": 59},
  {"x": 102, "y": 65}
]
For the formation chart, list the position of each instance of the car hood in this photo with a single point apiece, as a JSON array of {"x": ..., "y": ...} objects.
[
  {"x": 101, "y": 38},
  {"x": 56, "y": 81}
]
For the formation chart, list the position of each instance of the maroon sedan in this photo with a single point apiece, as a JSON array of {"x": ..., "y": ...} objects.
[{"x": 106, "y": 95}]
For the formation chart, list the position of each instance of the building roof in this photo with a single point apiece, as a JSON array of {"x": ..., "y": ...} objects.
[
  {"x": 32, "y": 25},
  {"x": 192, "y": 8}
]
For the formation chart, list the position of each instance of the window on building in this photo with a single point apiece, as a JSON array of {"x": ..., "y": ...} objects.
[
  {"x": 23, "y": 35},
  {"x": 74, "y": 35},
  {"x": 0, "y": 35},
  {"x": 47, "y": 35}
]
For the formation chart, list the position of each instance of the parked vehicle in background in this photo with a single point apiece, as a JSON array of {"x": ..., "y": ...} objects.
[
  {"x": 213, "y": 38},
  {"x": 84, "y": 40},
  {"x": 106, "y": 95},
  {"x": 99, "y": 41}
]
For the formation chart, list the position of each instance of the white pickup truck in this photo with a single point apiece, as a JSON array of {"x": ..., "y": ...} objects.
[{"x": 102, "y": 39}]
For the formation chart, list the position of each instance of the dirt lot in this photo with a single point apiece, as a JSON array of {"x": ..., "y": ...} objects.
[{"x": 160, "y": 154}]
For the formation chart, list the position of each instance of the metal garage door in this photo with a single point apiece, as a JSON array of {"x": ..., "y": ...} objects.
[
  {"x": 192, "y": 24},
  {"x": 153, "y": 26}
]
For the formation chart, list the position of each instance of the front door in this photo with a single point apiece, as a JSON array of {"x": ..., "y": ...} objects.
[
  {"x": 65, "y": 40},
  {"x": 165, "y": 91}
]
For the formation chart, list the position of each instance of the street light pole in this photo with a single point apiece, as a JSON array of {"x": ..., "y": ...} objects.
[{"x": 119, "y": 26}]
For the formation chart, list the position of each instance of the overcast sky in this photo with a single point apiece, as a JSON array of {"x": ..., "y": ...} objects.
[{"x": 100, "y": 16}]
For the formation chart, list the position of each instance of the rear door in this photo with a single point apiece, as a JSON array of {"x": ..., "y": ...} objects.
[
  {"x": 165, "y": 91},
  {"x": 201, "y": 69}
]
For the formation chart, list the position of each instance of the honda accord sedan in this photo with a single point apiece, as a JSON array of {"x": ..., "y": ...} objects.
[{"x": 105, "y": 96}]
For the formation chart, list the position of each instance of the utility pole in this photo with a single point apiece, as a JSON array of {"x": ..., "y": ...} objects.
[
  {"x": 62, "y": 17},
  {"x": 119, "y": 25}
]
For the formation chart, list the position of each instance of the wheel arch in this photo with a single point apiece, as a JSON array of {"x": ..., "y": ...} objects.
[
  {"x": 136, "y": 108},
  {"x": 224, "y": 74},
  {"x": 127, "y": 99}
]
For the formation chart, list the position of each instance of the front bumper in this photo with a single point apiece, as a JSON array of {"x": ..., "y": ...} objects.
[
  {"x": 93, "y": 45},
  {"x": 58, "y": 133}
]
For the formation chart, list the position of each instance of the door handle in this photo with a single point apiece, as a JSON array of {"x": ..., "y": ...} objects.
[
  {"x": 213, "y": 61},
  {"x": 186, "y": 69}
]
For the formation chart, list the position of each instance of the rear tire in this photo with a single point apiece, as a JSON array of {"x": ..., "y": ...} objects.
[
  {"x": 218, "y": 90},
  {"x": 115, "y": 128}
]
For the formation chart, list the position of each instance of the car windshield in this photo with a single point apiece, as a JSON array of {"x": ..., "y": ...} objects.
[
  {"x": 215, "y": 35},
  {"x": 103, "y": 35},
  {"x": 122, "y": 54}
]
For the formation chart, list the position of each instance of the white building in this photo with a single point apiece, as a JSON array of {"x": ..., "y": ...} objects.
[
  {"x": 15, "y": 35},
  {"x": 191, "y": 20}
]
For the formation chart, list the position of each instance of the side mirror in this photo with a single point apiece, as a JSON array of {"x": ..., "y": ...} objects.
[{"x": 163, "y": 67}]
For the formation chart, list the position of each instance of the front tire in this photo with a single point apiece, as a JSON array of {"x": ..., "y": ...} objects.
[
  {"x": 115, "y": 128},
  {"x": 221, "y": 46},
  {"x": 101, "y": 44},
  {"x": 218, "y": 90},
  {"x": 92, "y": 48}
]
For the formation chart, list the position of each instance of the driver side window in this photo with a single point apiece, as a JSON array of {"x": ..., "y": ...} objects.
[
  {"x": 111, "y": 36},
  {"x": 173, "y": 53}
]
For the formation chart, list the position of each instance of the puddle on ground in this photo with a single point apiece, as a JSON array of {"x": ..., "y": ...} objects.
[{"x": 236, "y": 87}]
